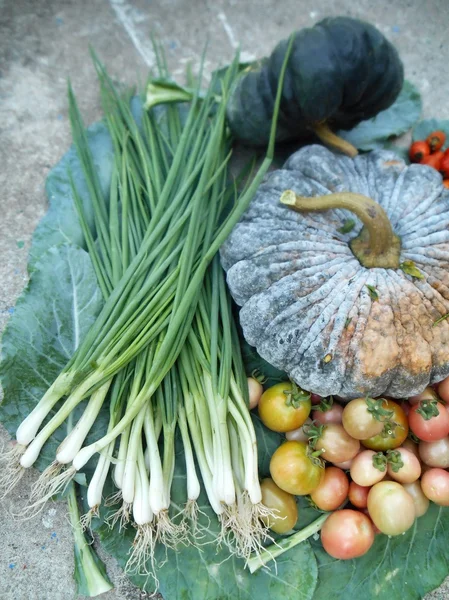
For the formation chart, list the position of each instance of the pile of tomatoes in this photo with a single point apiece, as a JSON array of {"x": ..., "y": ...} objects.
[
  {"x": 430, "y": 152},
  {"x": 376, "y": 463}
]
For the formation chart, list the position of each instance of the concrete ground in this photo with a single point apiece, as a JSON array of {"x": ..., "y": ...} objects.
[{"x": 42, "y": 43}]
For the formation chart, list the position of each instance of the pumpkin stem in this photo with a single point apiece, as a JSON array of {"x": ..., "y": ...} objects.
[
  {"x": 329, "y": 138},
  {"x": 376, "y": 245}
]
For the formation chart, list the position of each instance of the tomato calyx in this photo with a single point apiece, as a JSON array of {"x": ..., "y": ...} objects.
[
  {"x": 325, "y": 404},
  {"x": 394, "y": 459},
  {"x": 389, "y": 429},
  {"x": 315, "y": 456},
  {"x": 380, "y": 462},
  {"x": 259, "y": 376},
  {"x": 296, "y": 396},
  {"x": 375, "y": 407},
  {"x": 413, "y": 437},
  {"x": 312, "y": 504},
  {"x": 436, "y": 140},
  {"x": 428, "y": 409},
  {"x": 314, "y": 433}
]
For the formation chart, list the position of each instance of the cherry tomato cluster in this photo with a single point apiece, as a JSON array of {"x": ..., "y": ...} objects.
[
  {"x": 430, "y": 152},
  {"x": 375, "y": 463}
]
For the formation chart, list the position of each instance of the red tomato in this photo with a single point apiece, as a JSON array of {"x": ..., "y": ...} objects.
[
  {"x": 364, "y": 417},
  {"x": 345, "y": 465},
  {"x": 435, "y": 454},
  {"x": 435, "y": 485},
  {"x": 411, "y": 446},
  {"x": 444, "y": 165},
  {"x": 443, "y": 389},
  {"x": 347, "y": 534},
  {"x": 315, "y": 399},
  {"x": 429, "y": 420},
  {"x": 358, "y": 494},
  {"x": 436, "y": 140},
  {"x": 419, "y": 150},
  {"x": 332, "y": 490},
  {"x": 332, "y": 415},
  {"x": 336, "y": 445},
  {"x": 300, "y": 434},
  {"x": 368, "y": 468},
  {"x": 434, "y": 160},
  {"x": 403, "y": 465},
  {"x": 420, "y": 500}
]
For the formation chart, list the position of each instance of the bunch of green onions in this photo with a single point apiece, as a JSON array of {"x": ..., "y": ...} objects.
[{"x": 163, "y": 355}]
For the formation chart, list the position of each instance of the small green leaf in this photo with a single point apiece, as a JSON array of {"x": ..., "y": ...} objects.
[
  {"x": 443, "y": 318},
  {"x": 347, "y": 226},
  {"x": 409, "y": 268},
  {"x": 20, "y": 243},
  {"x": 164, "y": 91},
  {"x": 348, "y": 322},
  {"x": 372, "y": 292},
  {"x": 392, "y": 122}
]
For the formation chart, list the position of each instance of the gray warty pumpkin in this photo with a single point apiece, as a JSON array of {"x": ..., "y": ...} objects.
[{"x": 348, "y": 300}]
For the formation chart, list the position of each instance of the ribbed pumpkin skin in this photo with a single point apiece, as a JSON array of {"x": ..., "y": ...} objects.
[
  {"x": 303, "y": 293},
  {"x": 342, "y": 70}
]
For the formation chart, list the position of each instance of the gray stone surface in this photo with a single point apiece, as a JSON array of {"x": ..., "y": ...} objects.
[{"x": 42, "y": 43}]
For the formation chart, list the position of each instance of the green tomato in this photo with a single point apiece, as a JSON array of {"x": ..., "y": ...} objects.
[
  {"x": 294, "y": 470},
  {"x": 395, "y": 430},
  {"x": 283, "y": 505},
  {"x": 284, "y": 407},
  {"x": 391, "y": 507}
]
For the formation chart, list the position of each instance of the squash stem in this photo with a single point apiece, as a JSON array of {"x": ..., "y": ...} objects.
[
  {"x": 330, "y": 139},
  {"x": 376, "y": 245}
]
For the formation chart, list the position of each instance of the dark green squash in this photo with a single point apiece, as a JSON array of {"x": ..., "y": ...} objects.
[{"x": 340, "y": 72}]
